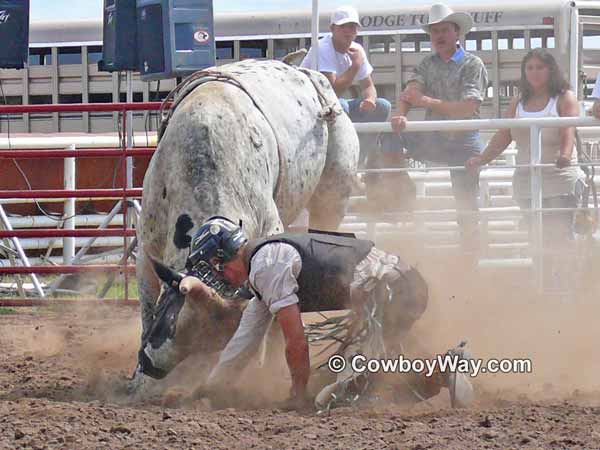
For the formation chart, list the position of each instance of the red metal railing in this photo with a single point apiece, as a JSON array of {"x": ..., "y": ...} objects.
[
  {"x": 60, "y": 193},
  {"x": 81, "y": 153},
  {"x": 66, "y": 233},
  {"x": 69, "y": 269},
  {"x": 80, "y": 107},
  {"x": 123, "y": 193},
  {"x": 28, "y": 302}
]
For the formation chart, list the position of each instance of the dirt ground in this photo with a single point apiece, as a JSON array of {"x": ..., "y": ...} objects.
[{"x": 63, "y": 373}]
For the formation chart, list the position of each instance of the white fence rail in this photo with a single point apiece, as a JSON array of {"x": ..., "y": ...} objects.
[
  {"x": 437, "y": 223},
  {"x": 535, "y": 126}
]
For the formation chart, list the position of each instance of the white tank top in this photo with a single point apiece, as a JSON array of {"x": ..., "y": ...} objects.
[
  {"x": 555, "y": 182},
  {"x": 550, "y": 110}
]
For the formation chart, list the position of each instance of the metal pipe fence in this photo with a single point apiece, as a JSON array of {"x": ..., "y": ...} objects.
[
  {"x": 125, "y": 194},
  {"x": 535, "y": 126},
  {"x": 128, "y": 193}
]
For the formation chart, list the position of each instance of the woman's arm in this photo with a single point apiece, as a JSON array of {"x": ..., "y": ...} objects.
[
  {"x": 567, "y": 107},
  {"x": 498, "y": 143}
]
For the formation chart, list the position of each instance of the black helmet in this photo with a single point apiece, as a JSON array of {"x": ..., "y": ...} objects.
[{"x": 216, "y": 242}]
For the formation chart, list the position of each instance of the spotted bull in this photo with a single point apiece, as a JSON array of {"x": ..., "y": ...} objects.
[{"x": 255, "y": 141}]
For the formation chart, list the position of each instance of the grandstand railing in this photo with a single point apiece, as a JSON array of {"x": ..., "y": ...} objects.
[
  {"x": 126, "y": 193},
  {"x": 535, "y": 126}
]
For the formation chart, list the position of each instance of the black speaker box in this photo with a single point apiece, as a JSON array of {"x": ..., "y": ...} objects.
[
  {"x": 151, "y": 39},
  {"x": 119, "y": 36},
  {"x": 14, "y": 33}
]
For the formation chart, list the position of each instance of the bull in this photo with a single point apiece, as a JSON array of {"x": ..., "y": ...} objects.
[{"x": 257, "y": 141}]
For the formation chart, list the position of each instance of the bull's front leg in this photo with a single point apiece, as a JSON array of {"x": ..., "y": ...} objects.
[
  {"x": 141, "y": 385},
  {"x": 172, "y": 365},
  {"x": 148, "y": 290}
]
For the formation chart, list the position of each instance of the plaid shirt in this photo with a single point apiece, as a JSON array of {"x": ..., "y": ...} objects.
[{"x": 463, "y": 77}]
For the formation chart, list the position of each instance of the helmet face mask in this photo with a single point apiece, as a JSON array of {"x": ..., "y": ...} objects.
[
  {"x": 214, "y": 279},
  {"x": 217, "y": 264},
  {"x": 216, "y": 242}
]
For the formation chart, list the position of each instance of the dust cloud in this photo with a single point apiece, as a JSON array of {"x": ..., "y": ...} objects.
[
  {"x": 500, "y": 318},
  {"x": 492, "y": 310}
]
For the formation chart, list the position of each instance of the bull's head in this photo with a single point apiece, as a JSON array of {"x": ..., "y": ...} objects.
[{"x": 184, "y": 314}]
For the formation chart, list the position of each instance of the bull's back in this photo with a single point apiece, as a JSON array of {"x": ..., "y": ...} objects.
[
  {"x": 289, "y": 102},
  {"x": 222, "y": 150},
  {"x": 216, "y": 157}
]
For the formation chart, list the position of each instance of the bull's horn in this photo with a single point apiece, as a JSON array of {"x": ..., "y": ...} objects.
[
  {"x": 165, "y": 273},
  {"x": 194, "y": 285}
]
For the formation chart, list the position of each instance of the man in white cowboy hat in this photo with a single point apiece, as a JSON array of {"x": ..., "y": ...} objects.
[
  {"x": 344, "y": 62},
  {"x": 449, "y": 84}
]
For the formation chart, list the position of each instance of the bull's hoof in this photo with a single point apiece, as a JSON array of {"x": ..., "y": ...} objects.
[{"x": 141, "y": 386}]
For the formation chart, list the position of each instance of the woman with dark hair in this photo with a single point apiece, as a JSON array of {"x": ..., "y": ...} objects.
[{"x": 544, "y": 92}]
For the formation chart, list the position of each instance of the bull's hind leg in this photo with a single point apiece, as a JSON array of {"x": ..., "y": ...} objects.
[{"x": 327, "y": 206}]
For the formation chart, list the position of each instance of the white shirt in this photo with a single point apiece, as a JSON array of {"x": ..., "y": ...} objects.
[
  {"x": 274, "y": 270},
  {"x": 332, "y": 61},
  {"x": 596, "y": 91}
]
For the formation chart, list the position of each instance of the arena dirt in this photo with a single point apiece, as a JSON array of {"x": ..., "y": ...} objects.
[{"x": 63, "y": 373}]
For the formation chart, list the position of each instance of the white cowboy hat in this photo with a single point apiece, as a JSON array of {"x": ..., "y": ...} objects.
[{"x": 442, "y": 13}]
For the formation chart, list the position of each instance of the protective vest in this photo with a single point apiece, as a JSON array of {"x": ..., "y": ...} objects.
[{"x": 328, "y": 263}]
